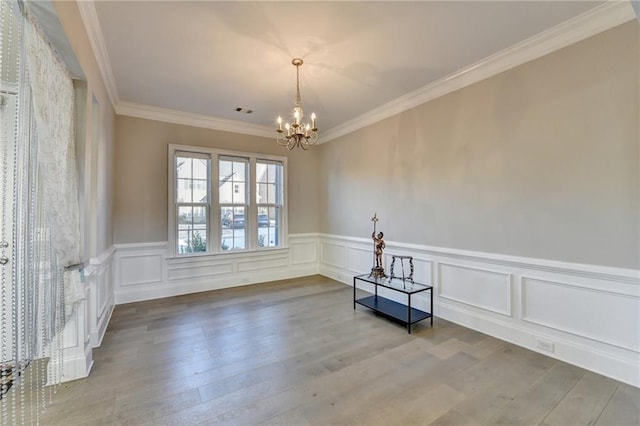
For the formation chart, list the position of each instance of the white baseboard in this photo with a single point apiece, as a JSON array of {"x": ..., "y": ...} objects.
[
  {"x": 590, "y": 315},
  {"x": 77, "y": 353}
]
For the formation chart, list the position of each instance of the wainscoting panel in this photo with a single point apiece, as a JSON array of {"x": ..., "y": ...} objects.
[
  {"x": 586, "y": 315},
  {"x": 481, "y": 288},
  {"x": 145, "y": 271},
  {"x": 261, "y": 261},
  {"x": 594, "y": 314},
  {"x": 88, "y": 323},
  {"x": 199, "y": 270},
  {"x": 359, "y": 259},
  {"x": 304, "y": 249},
  {"x": 137, "y": 269},
  {"x": 99, "y": 277},
  {"x": 333, "y": 255}
]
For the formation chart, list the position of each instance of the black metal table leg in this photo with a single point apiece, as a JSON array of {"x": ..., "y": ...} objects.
[
  {"x": 354, "y": 293},
  {"x": 409, "y": 314},
  {"x": 431, "y": 292}
]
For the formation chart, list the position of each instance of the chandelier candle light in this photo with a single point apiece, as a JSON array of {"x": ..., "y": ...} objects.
[{"x": 297, "y": 133}]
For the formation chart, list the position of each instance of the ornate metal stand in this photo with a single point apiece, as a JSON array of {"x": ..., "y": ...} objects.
[{"x": 402, "y": 259}]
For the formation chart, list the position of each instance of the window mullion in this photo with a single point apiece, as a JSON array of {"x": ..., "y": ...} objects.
[
  {"x": 214, "y": 206},
  {"x": 253, "y": 206}
]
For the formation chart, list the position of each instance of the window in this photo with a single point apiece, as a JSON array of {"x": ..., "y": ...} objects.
[
  {"x": 192, "y": 201},
  {"x": 234, "y": 203},
  {"x": 269, "y": 197},
  {"x": 221, "y": 201}
]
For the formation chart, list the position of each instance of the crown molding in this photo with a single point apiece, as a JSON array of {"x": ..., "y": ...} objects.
[
  {"x": 590, "y": 23},
  {"x": 190, "y": 119},
  {"x": 94, "y": 32}
]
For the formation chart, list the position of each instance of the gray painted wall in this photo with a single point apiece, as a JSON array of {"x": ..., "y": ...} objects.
[
  {"x": 540, "y": 161},
  {"x": 140, "y": 213}
]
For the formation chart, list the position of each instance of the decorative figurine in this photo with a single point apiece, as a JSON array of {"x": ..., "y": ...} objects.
[{"x": 377, "y": 271}]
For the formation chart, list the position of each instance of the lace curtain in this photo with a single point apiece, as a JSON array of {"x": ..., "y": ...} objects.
[
  {"x": 39, "y": 215},
  {"x": 52, "y": 94}
]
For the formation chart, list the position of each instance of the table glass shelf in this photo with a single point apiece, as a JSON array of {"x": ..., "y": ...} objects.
[{"x": 398, "y": 284}]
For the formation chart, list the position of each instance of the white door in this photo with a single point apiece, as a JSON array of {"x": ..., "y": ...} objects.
[{"x": 7, "y": 203}]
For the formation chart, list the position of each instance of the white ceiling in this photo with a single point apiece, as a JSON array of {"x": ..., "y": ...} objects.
[{"x": 210, "y": 57}]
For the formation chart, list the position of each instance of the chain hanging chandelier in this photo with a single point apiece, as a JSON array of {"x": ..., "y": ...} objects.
[{"x": 297, "y": 133}]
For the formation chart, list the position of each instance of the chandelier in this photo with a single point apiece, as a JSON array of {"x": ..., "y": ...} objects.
[{"x": 297, "y": 133}]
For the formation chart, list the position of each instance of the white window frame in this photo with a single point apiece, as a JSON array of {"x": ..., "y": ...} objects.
[
  {"x": 206, "y": 205},
  {"x": 214, "y": 229},
  {"x": 274, "y": 204},
  {"x": 247, "y": 191}
]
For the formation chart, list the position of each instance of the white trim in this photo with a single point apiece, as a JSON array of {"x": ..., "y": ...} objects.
[
  {"x": 99, "y": 279},
  {"x": 506, "y": 312},
  {"x": 142, "y": 246},
  {"x": 103, "y": 257},
  {"x": 628, "y": 276},
  {"x": 203, "y": 273},
  {"x": 524, "y": 281},
  {"x": 191, "y": 119},
  {"x": 214, "y": 228},
  {"x": 591, "y": 350},
  {"x": 94, "y": 33},
  {"x": 592, "y": 22},
  {"x": 567, "y": 350},
  {"x": 189, "y": 274}
]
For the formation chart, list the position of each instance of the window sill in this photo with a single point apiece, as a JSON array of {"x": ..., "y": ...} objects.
[{"x": 229, "y": 254}]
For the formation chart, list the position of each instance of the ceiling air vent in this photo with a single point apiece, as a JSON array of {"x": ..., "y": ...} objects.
[{"x": 245, "y": 110}]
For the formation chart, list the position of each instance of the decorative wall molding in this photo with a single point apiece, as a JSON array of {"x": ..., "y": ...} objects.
[
  {"x": 94, "y": 33},
  {"x": 145, "y": 271},
  {"x": 590, "y": 23},
  {"x": 77, "y": 354},
  {"x": 88, "y": 323},
  {"x": 191, "y": 119},
  {"x": 596, "y": 317},
  {"x": 476, "y": 287},
  {"x": 590, "y": 314},
  {"x": 621, "y": 275},
  {"x": 99, "y": 280}
]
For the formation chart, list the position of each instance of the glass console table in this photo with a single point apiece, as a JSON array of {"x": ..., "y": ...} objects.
[{"x": 389, "y": 308}]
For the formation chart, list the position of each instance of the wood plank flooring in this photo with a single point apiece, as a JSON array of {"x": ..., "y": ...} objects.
[{"x": 296, "y": 353}]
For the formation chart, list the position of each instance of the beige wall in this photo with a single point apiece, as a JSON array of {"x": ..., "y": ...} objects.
[
  {"x": 98, "y": 216},
  {"x": 140, "y": 213},
  {"x": 540, "y": 161}
]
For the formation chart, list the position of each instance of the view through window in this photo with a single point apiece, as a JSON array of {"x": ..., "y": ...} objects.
[{"x": 225, "y": 202}]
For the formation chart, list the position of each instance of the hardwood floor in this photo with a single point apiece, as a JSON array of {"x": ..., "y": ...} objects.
[{"x": 296, "y": 353}]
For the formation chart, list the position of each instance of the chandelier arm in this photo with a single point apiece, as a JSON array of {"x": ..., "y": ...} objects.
[
  {"x": 281, "y": 139},
  {"x": 313, "y": 139}
]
